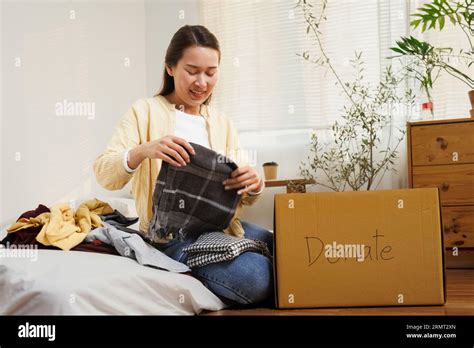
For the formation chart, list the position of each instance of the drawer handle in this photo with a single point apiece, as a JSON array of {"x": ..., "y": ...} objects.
[
  {"x": 445, "y": 186},
  {"x": 443, "y": 143}
]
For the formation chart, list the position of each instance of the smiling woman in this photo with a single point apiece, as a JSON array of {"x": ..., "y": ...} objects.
[
  {"x": 160, "y": 129},
  {"x": 191, "y": 68}
]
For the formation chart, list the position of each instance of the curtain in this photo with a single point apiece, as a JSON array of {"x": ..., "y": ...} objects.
[{"x": 265, "y": 85}]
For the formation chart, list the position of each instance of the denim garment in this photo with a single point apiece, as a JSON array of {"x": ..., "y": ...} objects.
[{"x": 245, "y": 280}]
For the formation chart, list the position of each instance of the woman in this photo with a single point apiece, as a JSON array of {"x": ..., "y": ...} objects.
[{"x": 160, "y": 129}]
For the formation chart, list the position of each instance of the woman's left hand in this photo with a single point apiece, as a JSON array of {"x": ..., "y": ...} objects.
[{"x": 246, "y": 178}]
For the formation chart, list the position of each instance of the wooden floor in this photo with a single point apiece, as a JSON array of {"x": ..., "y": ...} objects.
[{"x": 460, "y": 301}]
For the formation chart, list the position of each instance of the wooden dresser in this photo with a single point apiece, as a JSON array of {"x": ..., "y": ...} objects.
[{"x": 441, "y": 153}]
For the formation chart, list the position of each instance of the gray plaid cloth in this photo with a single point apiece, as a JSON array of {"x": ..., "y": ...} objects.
[
  {"x": 191, "y": 200},
  {"x": 216, "y": 247}
]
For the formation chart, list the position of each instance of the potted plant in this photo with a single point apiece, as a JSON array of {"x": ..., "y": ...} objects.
[
  {"x": 357, "y": 157},
  {"x": 424, "y": 61}
]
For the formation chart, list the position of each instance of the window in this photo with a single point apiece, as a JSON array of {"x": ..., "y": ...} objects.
[{"x": 264, "y": 85}]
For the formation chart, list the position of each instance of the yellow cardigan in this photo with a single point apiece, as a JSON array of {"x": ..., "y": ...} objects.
[{"x": 150, "y": 119}]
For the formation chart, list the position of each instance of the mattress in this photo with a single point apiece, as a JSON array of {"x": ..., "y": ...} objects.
[{"x": 56, "y": 282}]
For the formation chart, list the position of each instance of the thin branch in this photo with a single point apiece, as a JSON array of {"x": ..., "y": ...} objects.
[{"x": 328, "y": 61}]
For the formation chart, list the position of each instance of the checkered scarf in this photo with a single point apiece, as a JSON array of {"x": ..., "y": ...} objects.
[
  {"x": 191, "y": 200},
  {"x": 218, "y": 247}
]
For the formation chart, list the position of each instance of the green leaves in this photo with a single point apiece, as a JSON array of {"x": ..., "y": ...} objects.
[
  {"x": 413, "y": 46},
  {"x": 426, "y": 62},
  {"x": 357, "y": 154},
  {"x": 432, "y": 14},
  {"x": 441, "y": 23},
  {"x": 415, "y": 23}
]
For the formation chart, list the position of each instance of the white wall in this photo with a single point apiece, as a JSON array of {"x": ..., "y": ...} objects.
[
  {"x": 163, "y": 19},
  {"x": 284, "y": 147},
  {"x": 104, "y": 53},
  {"x": 56, "y": 51}
]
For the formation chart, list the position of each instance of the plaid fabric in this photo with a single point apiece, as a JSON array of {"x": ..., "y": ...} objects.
[
  {"x": 216, "y": 247},
  {"x": 191, "y": 200}
]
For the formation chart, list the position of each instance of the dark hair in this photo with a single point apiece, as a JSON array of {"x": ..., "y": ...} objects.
[{"x": 185, "y": 37}]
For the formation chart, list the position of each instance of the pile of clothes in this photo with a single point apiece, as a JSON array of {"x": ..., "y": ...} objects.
[
  {"x": 59, "y": 227},
  {"x": 94, "y": 227}
]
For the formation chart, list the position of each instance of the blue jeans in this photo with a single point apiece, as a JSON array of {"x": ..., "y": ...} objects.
[{"x": 245, "y": 280}]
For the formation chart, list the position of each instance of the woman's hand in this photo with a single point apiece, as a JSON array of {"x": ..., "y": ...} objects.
[
  {"x": 169, "y": 148},
  {"x": 246, "y": 178}
]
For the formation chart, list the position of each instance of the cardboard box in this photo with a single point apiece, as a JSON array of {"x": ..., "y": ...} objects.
[{"x": 350, "y": 249}]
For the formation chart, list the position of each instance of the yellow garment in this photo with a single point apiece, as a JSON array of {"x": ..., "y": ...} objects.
[
  {"x": 150, "y": 119},
  {"x": 87, "y": 214},
  {"x": 61, "y": 227},
  {"x": 23, "y": 223}
]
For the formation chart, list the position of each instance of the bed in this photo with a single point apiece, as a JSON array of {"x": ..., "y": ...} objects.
[{"x": 55, "y": 282}]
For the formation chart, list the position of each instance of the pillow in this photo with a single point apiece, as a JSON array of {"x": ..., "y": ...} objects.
[{"x": 126, "y": 206}]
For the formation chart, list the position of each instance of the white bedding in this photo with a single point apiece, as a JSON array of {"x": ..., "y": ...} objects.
[{"x": 75, "y": 282}]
